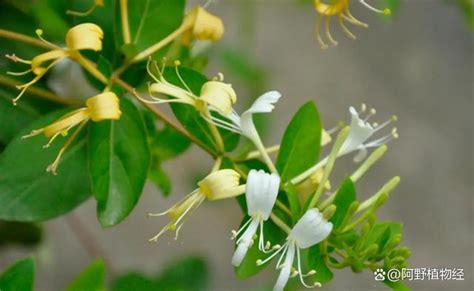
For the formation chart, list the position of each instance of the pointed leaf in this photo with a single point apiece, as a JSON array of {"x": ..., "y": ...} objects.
[
  {"x": 19, "y": 277},
  {"x": 91, "y": 279},
  {"x": 300, "y": 145},
  {"x": 118, "y": 162}
]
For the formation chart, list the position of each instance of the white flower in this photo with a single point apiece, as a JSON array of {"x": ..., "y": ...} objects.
[
  {"x": 360, "y": 132},
  {"x": 261, "y": 193},
  {"x": 311, "y": 229},
  {"x": 243, "y": 124}
]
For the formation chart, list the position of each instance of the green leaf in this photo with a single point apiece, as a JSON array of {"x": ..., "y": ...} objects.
[
  {"x": 381, "y": 233},
  {"x": 161, "y": 180},
  {"x": 118, "y": 163},
  {"x": 343, "y": 199},
  {"x": 19, "y": 277},
  {"x": 49, "y": 20},
  {"x": 190, "y": 274},
  {"x": 293, "y": 200},
  {"x": 249, "y": 267},
  {"x": 187, "y": 274},
  {"x": 151, "y": 21},
  {"x": 300, "y": 145},
  {"x": 91, "y": 279},
  {"x": 190, "y": 117},
  {"x": 22, "y": 233},
  {"x": 316, "y": 262},
  {"x": 27, "y": 191},
  {"x": 133, "y": 281}
]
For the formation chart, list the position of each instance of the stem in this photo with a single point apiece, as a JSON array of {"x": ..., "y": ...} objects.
[
  {"x": 256, "y": 154},
  {"x": 87, "y": 240},
  {"x": 124, "y": 18},
  {"x": 157, "y": 46},
  {"x": 374, "y": 157},
  {"x": 280, "y": 223},
  {"x": 341, "y": 137},
  {"x": 90, "y": 67},
  {"x": 38, "y": 92},
  {"x": 23, "y": 38},
  {"x": 214, "y": 131},
  {"x": 217, "y": 164},
  {"x": 283, "y": 207}
]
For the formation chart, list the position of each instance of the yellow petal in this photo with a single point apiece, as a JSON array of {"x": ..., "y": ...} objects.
[
  {"x": 221, "y": 184},
  {"x": 104, "y": 106},
  {"x": 325, "y": 138},
  {"x": 65, "y": 122},
  {"x": 204, "y": 25},
  {"x": 219, "y": 95},
  {"x": 85, "y": 36},
  {"x": 37, "y": 61},
  {"x": 331, "y": 7}
]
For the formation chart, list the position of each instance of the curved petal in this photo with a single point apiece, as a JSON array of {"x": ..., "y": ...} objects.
[
  {"x": 310, "y": 229},
  {"x": 263, "y": 104},
  {"x": 261, "y": 192}
]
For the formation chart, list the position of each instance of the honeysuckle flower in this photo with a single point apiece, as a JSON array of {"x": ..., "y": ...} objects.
[
  {"x": 198, "y": 24},
  {"x": 105, "y": 106},
  {"x": 358, "y": 139},
  {"x": 244, "y": 124},
  {"x": 340, "y": 9},
  {"x": 311, "y": 229},
  {"x": 217, "y": 185},
  {"x": 215, "y": 95},
  {"x": 202, "y": 25},
  {"x": 360, "y": 132},
  {"x": 97, "y": 3},
  {"x": 260, "y": 194},
  {"x": 86, "y": 36}
]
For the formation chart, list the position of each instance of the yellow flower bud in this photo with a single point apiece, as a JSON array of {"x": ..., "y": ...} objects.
[
  {"x": 85, "y": 36},
  {"x": 221, "y": 184},
  {"x": 203, "y": 26},
  {"x": 308, "y": 186},
  {"x": 219, "y": 95}
]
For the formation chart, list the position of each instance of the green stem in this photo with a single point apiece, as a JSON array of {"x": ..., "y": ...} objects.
[
  {"x": 124, "y": 19},
  {"x": 280, "y": 223},
  {"x": 341, "y": 137}
]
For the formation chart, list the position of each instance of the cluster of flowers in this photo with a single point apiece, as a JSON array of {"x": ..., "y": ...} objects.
[
  {"x": 261, "y": 188},
  {"x": 215, "y": 104}
]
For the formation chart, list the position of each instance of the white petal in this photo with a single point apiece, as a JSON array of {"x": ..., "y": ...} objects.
[
  {"x": 244, "y": 243},
  {"x": 310, "y": 229},
  {"x": 359, "y": 133},
  {"x": 261, "y": 192},
  {"x": 263, "y": 104},
  {"x": 286, "y": 270}
]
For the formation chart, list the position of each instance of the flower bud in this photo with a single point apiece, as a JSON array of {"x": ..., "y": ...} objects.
[{"x": 203, "y": 26}]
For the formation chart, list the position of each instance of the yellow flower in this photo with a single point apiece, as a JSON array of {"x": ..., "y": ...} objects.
[
  {"x": 86, "y": 36},
  {"x": 217, "y": 185},
  {"x": 104, "y": 106},
  {"x": 215, "y": 95},
  {"x": 340, "y": 9},
  {"x": 202, "y": 25},
  {"x": 97, "y": 3}
]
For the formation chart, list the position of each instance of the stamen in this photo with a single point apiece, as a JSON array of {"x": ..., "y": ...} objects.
[
  {"x": 371, "y": 113},
  {"x": 241, "y": 229},
  {"x": 386, "y": 11},
  {"x": 261, "y": 262},
  {"x": 350, "y": 18},
  {"x": 162, "y": 231},
  {"x": 294, "y": 273},
  {"x": 209, "y": 2},
  {"x": 176, "y": 65},
  {"x": 328, "y": 32},
  {"x": 149, "y": 70},
  {"x": 344, "y": 27},
  {"x": 16, "y": 59},
  {"x": 392, "y": 119},
  {"x": 315, "y": 284},
  {"x": 39, "y": 33},
  {"x": 322, "y": 44},
  {"x": 363, "y": 107},
  {"x": 19, "y": 73}
]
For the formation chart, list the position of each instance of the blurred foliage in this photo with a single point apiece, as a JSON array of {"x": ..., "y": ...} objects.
[{"x": 19, "y": 233}]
